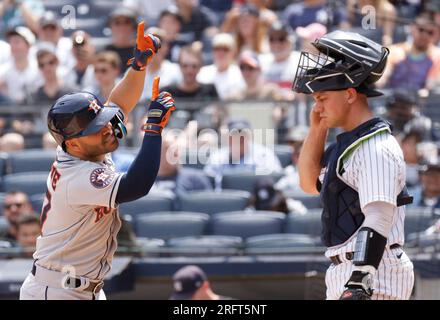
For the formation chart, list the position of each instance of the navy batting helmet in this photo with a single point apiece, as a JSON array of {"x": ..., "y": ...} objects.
[
  {"x": 81, "y": 114},
  {"x": 345, "y": 60}
]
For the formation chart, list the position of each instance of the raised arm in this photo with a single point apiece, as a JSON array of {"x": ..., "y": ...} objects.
[
  {"x": 128, "y": 91},
  {"x": 309, "y": 162}
]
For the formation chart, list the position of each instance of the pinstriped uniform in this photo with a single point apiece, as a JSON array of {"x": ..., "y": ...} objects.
[{"x": 376, "y": 170}]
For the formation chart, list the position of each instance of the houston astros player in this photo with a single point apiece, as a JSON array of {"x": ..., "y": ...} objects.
[
  {"x": 360, "y": 177},
  {"x": 79, "y": 216}
]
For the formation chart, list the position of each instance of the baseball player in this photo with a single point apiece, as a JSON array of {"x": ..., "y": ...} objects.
[
  {"x": 79, "y": 217},
  {"x": 361, "y": 177}
]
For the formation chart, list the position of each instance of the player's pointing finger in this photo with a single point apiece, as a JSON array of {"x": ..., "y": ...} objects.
[
  {"x": 155, "y": 88},
  {"x": 140, "y": 42}
]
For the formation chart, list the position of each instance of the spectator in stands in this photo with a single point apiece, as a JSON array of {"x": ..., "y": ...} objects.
[
  {"x": 148, "y": 10},
  {"x": 385, "y": 17},
  {"x": 190, "y": 62},
  {"x": 19, "y": 77},
  {"x": 172, "y": 177},
  {"x": 49, "y": 142},
  {"x": 409, "y": 142},
  {"x": 5, "y": 52},
  {"x": 412, "y": 64},
  {"x": 290, "y": 181},
  {"x": 266, "y": 16},
  {"x": 28, "y": 230},
  {"x": 15, "y": 205},
  {"x": 82, "y": 74},
  {"x": 428, "y": 194},
  {"x": 169, "y": 72},
  {"x": 266, "y": 197},
  {"x": 171, "y": 21},
  {"x": 107, "y": 68},
  {"x": 308, "y": 34},
  {"x": 219, "y": 7},
  {"x": 404, "y": 114},
  {"x": 123, "y": 24},
  {"x": 256, "y": 86},
  {"x": 279, "y": 66},
  {"x": 241, "y": 153},
  {"x": 249, "y": 30},
  {"x": 308, "y": 11},
  {"x": 191, "y": 283},
  {"x": 15, "y": 13},
  {"x": 11, "y": 142},
  {"x": 53, "y": 86},
  {"x": 199, "y": 22},
  {"x": 51, "y": 31},
  {"x": 223, "y": 73}
]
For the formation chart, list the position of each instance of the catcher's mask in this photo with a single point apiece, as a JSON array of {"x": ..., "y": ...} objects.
[
  {"x": 345, "y": 60},
  {"x": 80, "y": 114}
]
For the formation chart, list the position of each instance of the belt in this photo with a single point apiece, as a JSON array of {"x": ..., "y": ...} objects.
[
  {"x": 350, "y": 255},
  {"x": 70, "y": 282}
]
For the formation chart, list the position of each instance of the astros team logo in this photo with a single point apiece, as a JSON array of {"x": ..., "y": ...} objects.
[
  {"x": 101, "y": 178},
  {"x": 94, "y": 106}
]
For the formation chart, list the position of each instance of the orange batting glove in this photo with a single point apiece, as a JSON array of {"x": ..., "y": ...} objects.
[
  {"x": 146, "y": 47},
  {"x": 161, "y": 106}
]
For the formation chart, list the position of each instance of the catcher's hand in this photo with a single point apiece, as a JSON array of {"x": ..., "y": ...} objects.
[
  {"x": 146, "y": 47},
  {"x": 161, "y": 106},
  {"x": 359, "y": 287}
]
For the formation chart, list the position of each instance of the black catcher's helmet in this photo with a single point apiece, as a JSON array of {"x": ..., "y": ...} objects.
[
  {"x": 345, "y": 60},
  {"x": 81, "y": 114}
]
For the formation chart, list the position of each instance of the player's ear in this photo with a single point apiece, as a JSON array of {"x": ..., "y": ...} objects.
[
  {"x": 72, "y": 144},
  {"x": 352, "y": 95}
]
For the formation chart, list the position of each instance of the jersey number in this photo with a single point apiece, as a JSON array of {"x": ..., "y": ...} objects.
[{"x": 54, "y": 177}]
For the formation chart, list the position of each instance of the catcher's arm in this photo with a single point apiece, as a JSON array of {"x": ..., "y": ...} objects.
[
  {"x": 309, "y": 162},
  {"x": 128, "y": 91}
]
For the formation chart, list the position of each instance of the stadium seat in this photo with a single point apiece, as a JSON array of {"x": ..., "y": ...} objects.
[
  {"x": 168, "y": 225},
  {"x": 308, "y": 200},
  {"x": 150, "y": 203},
  {"x": 212, "y": 202},
  {"x": 418, "y": 219},
  {"x": 246, "y": 224},
  {"x": 2, "y": 198},
  {"x": 30, "y": 160},
  {"x": 284, "y": 154},
  {"x": 28, "y": 182},
  {"x": 3, "y": 161},
  {"x": 279, "y": 243},
  {"x": 309, "y": 223},
  {"x": 245, "y": 180},
  {"x": 3, "y": 224},
  {"x": 37, "y": 202},
  {"x": 207, "y": 244}
]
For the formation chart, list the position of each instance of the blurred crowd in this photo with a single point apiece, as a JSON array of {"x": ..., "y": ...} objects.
[{"x": 216, "y": 52}]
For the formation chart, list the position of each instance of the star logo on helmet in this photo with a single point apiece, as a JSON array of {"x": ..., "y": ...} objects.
[{"x": 94, "y": 106}]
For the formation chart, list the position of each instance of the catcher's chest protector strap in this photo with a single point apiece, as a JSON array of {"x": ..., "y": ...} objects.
[{"x": 342, "y": 214}]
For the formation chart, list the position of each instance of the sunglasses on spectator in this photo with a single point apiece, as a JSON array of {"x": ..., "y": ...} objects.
[
  {"x": 119, "y": 22},
  {"x": 224, "y": 49},
  {"x": 245, "y": 67},
  {"x": 50, "y": 27},
  {"x": 190, "y": 65},
  {"x": 429, "y": 32},
  {"x": 10, "y": 205},
  {"x": 101, "y": 70},
  {"x": 52, "y": 62},
  {"x": 277, "y": 39}
]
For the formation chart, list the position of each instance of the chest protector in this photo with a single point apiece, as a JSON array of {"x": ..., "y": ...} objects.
[{"x": 342, "y": 214}]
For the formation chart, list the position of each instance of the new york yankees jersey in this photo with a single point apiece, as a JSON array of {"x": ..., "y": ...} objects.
[
  {"x": 79, "y": 217},
  {"x": 376, "y": 170}
]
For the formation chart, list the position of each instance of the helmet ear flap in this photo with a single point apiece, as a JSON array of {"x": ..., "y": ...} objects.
[{"x": 118, "y": 125}]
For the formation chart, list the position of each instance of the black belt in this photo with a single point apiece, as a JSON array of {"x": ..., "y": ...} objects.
[
  {"x": 350, "y": 255},
  {"x": 74, "y": 283}
]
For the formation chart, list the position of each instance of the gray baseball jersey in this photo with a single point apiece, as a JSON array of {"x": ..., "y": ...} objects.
[{"x": 79, "y": 219}]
